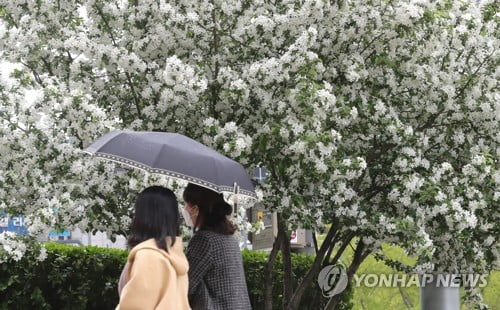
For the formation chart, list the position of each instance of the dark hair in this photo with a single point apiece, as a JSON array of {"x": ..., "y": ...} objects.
[
  {"x": 156, "y": 216},
  {"x": 213, "y": 209}
]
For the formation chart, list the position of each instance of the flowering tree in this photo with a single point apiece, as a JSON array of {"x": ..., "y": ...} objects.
[{"x": 379, "y": 118}]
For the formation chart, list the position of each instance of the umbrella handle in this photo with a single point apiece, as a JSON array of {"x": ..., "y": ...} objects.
[{"x": 236, "y": 191}]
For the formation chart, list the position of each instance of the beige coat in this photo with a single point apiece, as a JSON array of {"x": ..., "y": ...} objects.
[{"x": 155, "y": 279}]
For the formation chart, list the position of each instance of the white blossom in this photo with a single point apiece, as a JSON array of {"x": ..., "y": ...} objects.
[{"x": 338, "y": 118}]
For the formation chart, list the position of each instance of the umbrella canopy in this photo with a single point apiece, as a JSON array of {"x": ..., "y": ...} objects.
[{"x": 176, "y": 156}]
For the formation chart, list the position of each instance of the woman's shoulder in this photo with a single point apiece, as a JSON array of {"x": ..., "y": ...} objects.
[
  {"x": 147, "y": 248},
  {"x": 209, "y": 238},
  {"x": 146, "y": 244},
  {"x": 202, "y": 236},
  {"x": 215, "y": 239},
  {"x": 206, "y": 234}
]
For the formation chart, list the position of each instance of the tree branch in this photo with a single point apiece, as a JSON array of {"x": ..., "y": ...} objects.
[
  {"x": 342, "y": 248},
  {"x": 37, "y": 77},
  {"x": 127, "y": 75},
  {"x": 214, "y": 47},
  {"x": 315, "y": 242}
]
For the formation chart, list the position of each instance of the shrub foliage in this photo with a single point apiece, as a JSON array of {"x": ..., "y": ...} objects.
[{"x": 86, "y": 278}]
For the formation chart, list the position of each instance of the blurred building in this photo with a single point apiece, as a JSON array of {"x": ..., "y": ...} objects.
[
  {"x": 300, "y": 239},
  {"x": 99, "y": 239},
  {"x": 15, "y": 223}
]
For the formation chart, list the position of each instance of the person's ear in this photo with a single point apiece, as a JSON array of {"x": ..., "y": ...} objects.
[{"x": 195, "y": 210}]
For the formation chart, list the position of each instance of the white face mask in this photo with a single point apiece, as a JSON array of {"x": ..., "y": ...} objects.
[{"x": 187, "y": 217}]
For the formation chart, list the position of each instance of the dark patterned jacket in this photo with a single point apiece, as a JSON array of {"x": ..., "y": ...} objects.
[{"x": 216, "y": 275}]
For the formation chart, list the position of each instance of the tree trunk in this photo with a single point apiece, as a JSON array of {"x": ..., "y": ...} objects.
[
  {"x": 359, "y": 257},
  {"x": 304, "y": 284},
  {"x": 315, "y": 241},
  {"x": 268, "y": 273},
  {"x": 341, "y": 249},
  {"x": 326, "y": 260},
  {"x": 331, "y": 247},
  {"x": 287, "y": 263}
]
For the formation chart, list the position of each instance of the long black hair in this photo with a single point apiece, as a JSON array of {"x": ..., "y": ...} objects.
[
  {"x": 213, "y": 209},
  {"x": 156, "y": 216}
]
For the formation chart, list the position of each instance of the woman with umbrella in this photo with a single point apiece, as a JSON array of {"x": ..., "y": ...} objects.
[{"x": 216, "y": 275}]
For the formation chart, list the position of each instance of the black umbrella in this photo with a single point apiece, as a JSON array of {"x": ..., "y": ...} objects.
[{"x": 176, "y": 156}]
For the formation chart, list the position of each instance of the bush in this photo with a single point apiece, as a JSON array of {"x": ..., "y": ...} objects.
[
  {"x": 69, "y": 278},
  {"x": 86, "y": 278}
]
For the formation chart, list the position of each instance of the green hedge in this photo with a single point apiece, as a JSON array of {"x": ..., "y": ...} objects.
[
  {"x": 70, "y": 277},
  {"x": 74, "y": 277}
]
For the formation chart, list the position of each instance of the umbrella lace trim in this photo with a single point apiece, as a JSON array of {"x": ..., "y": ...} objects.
[{"x": 173, "y": 174}]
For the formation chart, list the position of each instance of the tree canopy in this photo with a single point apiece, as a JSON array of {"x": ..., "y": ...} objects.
[{"x": 378, "y": 117}]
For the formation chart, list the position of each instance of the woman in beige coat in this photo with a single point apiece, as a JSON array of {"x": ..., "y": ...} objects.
[{"x": 155, "y": 276}]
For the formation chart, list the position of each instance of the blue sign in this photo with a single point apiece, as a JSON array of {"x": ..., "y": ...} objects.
[
  {"x": 60, "y": 234},
  {"x": 16, "y": 224},
  {"x": 12, "y": 223}
]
